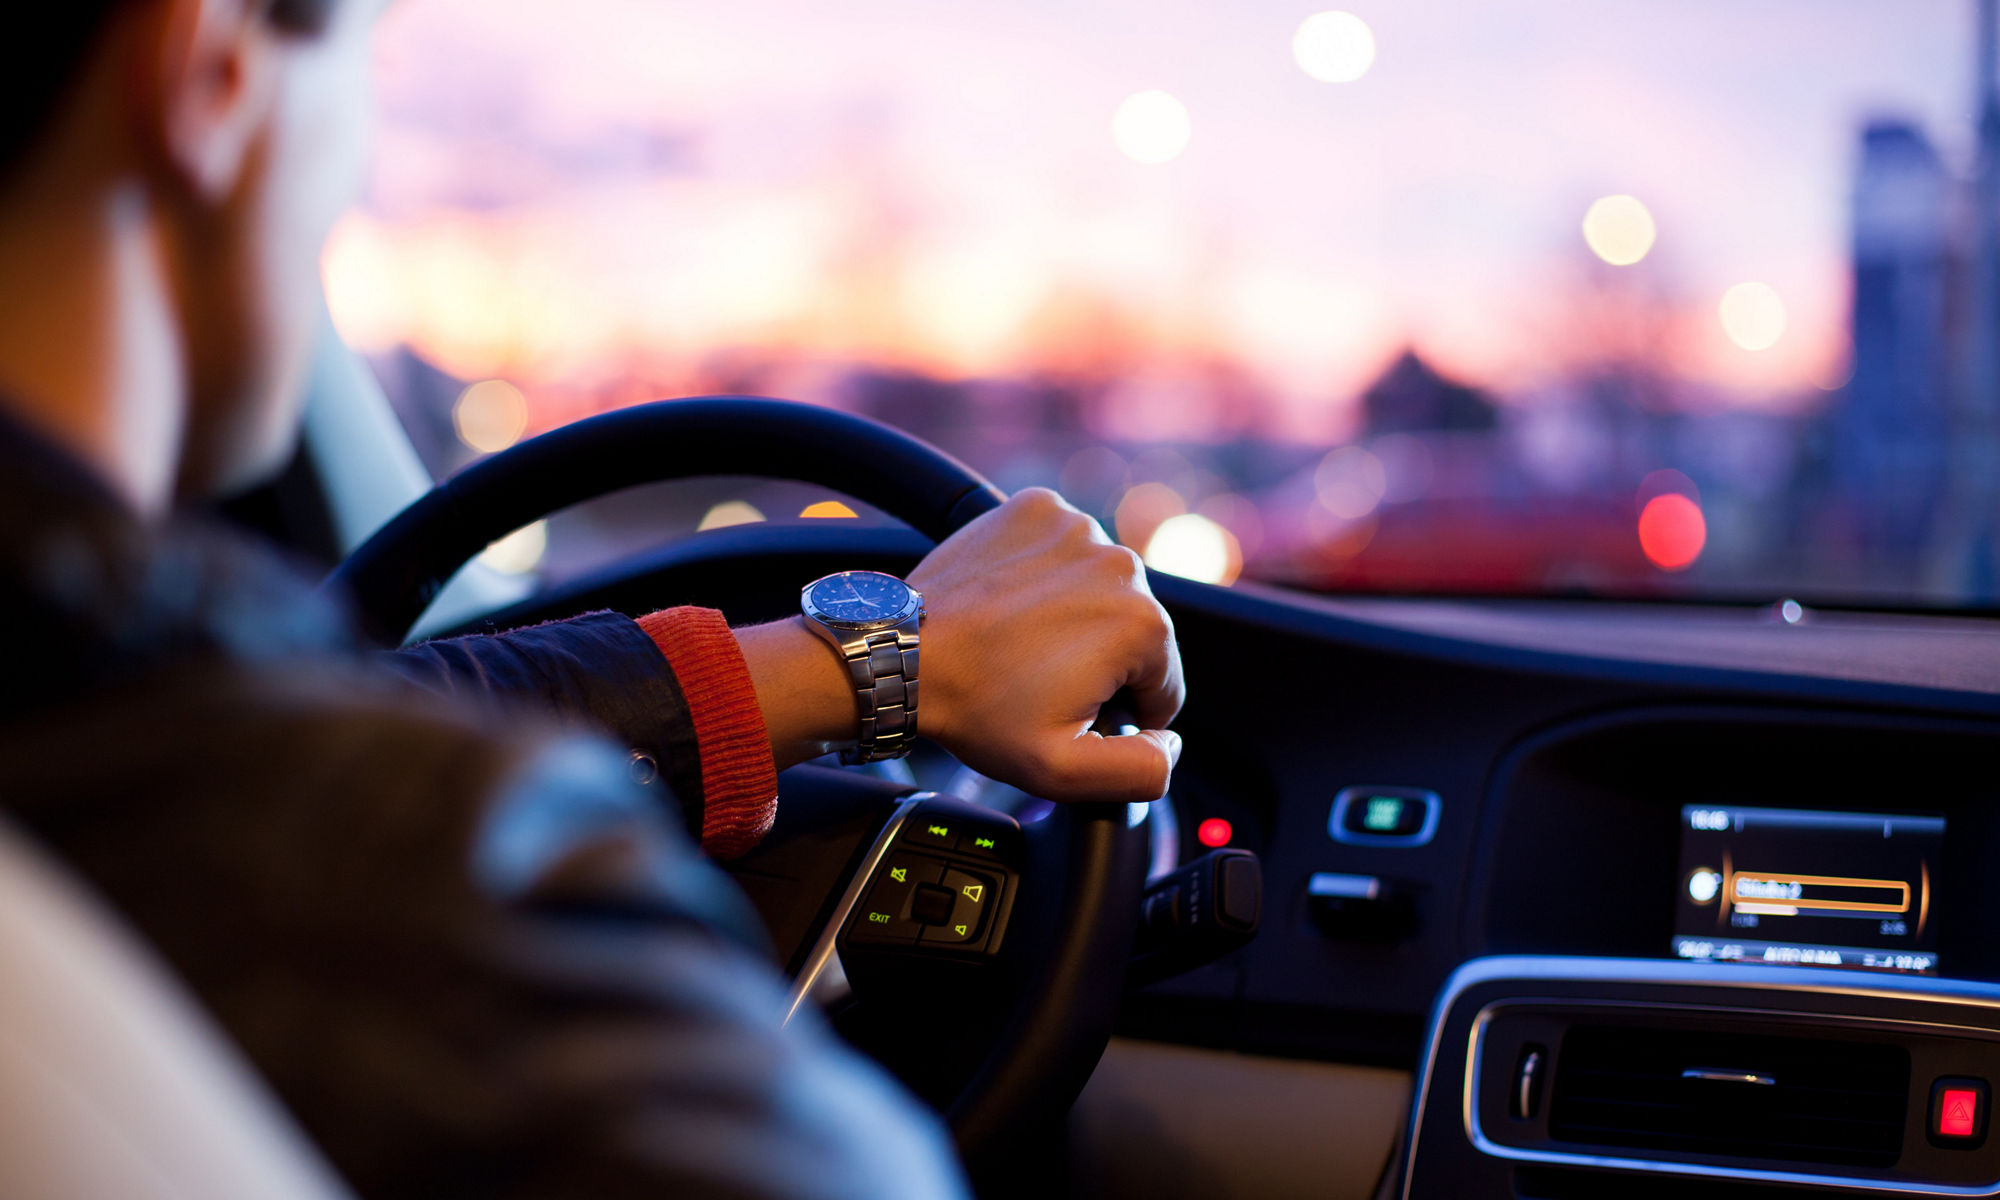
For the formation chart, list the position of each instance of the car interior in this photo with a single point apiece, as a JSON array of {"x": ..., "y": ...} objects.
[{"x": 1517, "y": 850}]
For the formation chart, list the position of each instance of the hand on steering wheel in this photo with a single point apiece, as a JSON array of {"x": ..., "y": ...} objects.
[{"x": 1035, "y": 620}]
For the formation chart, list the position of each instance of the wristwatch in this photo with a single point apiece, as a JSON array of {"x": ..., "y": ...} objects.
[{"x": 870, "y": 619}]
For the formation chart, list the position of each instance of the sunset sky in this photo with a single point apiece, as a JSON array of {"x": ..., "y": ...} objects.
[{"x": 567, "y": 194}]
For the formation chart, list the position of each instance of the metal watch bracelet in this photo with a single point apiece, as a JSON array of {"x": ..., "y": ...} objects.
[{"x": 883, "y": 670}]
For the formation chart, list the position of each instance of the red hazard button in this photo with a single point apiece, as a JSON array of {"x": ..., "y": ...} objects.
[{"x": 1958, "y": 1112}]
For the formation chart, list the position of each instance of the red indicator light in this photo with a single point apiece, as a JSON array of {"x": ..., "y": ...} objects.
[
  {"x": 1958, "y": 1113},
  {"x": 1214, "y": 832}
]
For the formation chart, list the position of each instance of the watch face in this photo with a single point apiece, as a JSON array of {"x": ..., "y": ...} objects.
[{"x": 860, "y": 597}]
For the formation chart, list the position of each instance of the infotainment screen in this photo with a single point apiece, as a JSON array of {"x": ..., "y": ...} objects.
[{"x": 1825, "y": 889}]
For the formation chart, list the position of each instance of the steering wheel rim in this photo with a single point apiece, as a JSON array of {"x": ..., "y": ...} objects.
[
  {"x": 393, "y": 576},
  {"x": 396, "y": 574}
]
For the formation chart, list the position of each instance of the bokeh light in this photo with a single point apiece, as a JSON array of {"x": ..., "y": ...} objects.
[
  {"x": 1143, "y": 509},
  {"x": 1753, "y": 315},
  {"x": 1151, "y": 127},
  {"x": 1334, "y": 47},
  {"x": 1214, "y": 832},
  {"x": 520, "y": 551},
  {"x": 1619, "y": 230},
  {"x": 1834, "y": 375},
  {"x": 1194, "y": 547},
  {"x": 1672, "y": 531},
  {"x": 1239, "y": 516},
  {"x": 490, "y": 415},
  {"x": 1350, "y": 482},
  {"x": 728, "y": 513},
  {"x": 1662, "y": 481}
]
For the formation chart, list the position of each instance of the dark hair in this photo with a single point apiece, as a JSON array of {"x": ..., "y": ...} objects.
[{"x": 40, "y": 60}]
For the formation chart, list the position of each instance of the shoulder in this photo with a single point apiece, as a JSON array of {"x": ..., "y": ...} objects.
[
  {"x": 456, "y": 944},
  {"x": 321, "y": 787}
]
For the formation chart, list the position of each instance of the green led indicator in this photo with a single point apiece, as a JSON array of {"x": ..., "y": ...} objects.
[
  {"x": 940, "y": 831},
  {"x": 1383, "y": 813},
  {"x": 878, "y": 918},
  {"x": 983, "y": 843}
]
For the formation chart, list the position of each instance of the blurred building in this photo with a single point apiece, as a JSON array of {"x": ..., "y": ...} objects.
[
  {"x": 1968, "y": 560},
  {"x": 1412, "y": 397},
  {"x": 1891, "y": 429}
]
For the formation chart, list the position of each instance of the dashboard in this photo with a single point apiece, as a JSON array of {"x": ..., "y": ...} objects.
[
  {"x": 1676, "y": 826},
  {"x": 1573, "y": 794},
  {"x": 1671, "y": 902}
]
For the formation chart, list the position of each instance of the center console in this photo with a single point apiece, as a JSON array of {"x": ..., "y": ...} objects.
[
  {"x": 1818, "y": 840},
  {"x": 1733, "y": 954},
  {"x": 1557, "y": 1078}
]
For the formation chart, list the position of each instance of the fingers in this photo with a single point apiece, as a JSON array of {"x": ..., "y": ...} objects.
[
  {"x": 1155, "y": 705},
  {"x": 1036, "y": 616},
  {"x": 1133, "y": 768},
  {"x": 1153, "y": 675}
]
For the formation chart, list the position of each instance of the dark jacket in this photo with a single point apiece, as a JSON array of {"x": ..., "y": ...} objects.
[{"x": 468, "y": 951}]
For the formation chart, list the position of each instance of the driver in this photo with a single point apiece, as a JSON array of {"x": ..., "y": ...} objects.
[{"x": 469, "y": 949}]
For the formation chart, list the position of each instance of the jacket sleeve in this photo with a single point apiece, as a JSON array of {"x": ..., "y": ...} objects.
[
  {"x": 600, "y": 671},
  {"x": 472, "y": 956}
]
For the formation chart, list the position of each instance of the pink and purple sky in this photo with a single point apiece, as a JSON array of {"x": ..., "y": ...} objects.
[{"x": 574, "y": 194}]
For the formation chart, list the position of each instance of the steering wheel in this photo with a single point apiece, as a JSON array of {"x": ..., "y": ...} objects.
[{"x": 1059, "y": 897}]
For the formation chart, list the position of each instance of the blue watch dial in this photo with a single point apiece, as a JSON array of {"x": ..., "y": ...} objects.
[{"x": 860, "y": 596}]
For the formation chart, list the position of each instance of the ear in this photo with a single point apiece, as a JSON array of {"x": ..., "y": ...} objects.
[{"x": 210, "y": 89}]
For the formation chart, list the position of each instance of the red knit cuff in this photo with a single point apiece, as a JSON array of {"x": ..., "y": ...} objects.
[{"x": 739, "y": 781}]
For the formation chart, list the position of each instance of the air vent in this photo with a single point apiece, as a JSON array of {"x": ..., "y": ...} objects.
[{"x": 1700, "y": 1092}]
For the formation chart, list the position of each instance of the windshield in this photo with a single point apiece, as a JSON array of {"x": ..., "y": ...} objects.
[{"x": 1646, "y": 298}]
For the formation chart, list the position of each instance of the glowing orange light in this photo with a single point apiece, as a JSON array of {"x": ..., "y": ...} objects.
[
  {"x": 1672, "y": 531},
  {"x": 827, "y": 508},
  {"x": 1142, "y": 510},
  {"x": 1214, "y": 832},
  {"x": 490, "y": 415}
]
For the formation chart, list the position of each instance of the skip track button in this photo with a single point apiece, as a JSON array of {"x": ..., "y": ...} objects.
[{"x": 930, "y": 832}]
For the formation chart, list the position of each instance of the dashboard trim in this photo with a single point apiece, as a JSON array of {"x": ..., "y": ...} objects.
[
  {"x": 820, "y": 960},
  {"x": 1668, "y": 972}
]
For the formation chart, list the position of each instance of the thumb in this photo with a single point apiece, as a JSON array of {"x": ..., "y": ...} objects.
[{"x": 1127, "y": 768}]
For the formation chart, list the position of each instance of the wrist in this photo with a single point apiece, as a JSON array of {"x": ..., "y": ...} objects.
[{"x": 802, "y": 690}]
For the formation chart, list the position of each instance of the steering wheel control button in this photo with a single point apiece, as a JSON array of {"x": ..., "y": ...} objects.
[
  {"x": 943, "y": 823},
  {"x": 885, "y": 914},
  {"x": 988, "y": 842},
  {"x": 931, "y": 905},
  {"x": 1958, "y": 1113},
  {"x": 971, "y": 895},
  {"x": 937, "y": 832},
  {"x": 1383, "y": 816}
]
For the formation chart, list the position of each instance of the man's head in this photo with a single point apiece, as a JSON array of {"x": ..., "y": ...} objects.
[{"x": 213, "y": 143}]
